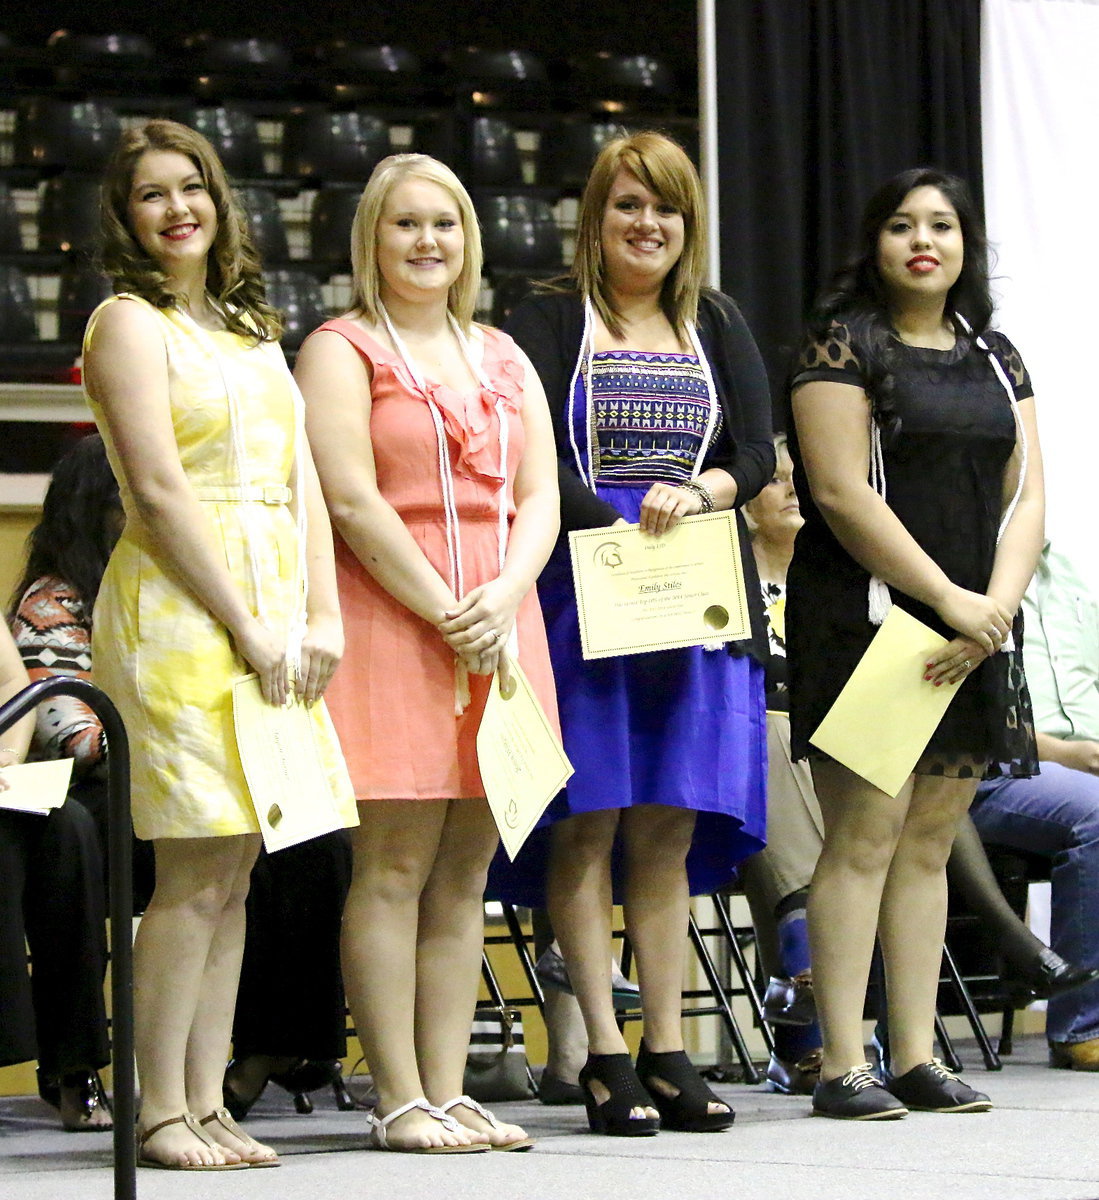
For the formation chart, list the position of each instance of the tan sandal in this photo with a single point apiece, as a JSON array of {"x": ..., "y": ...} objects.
[
  {"x": 191, "y": 1121},
  {"x": 225, "y": 1119}
]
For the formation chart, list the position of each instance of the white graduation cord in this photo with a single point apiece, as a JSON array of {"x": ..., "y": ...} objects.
[
  {"x": 879, "y": 600},
  {"x": 297, "y": 623},
  {"x": 446, "y": 482}
]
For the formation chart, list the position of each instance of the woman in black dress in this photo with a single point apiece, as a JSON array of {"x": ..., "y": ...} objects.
[{"x": 916, "y": 450}]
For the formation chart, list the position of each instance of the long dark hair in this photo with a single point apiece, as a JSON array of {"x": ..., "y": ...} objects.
[
  {"x": 75, "y": 536},
  {"x": 856, "y": 296},
  {"x": 233, "y": 274}
]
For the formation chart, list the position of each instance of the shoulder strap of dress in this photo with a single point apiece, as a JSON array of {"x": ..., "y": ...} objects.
[
  {"x": 93, "y": 320},
  {"x": 369, "y": 347}
]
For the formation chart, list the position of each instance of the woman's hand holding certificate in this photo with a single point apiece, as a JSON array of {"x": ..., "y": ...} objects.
[{"x": 636, "y": 593}]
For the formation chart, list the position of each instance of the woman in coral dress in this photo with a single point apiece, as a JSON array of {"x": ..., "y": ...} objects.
[{"x": 435, "y": 452}]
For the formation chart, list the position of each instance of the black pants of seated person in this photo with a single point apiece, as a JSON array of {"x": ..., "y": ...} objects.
[
  {"x": 291, "y": 1002},
  {"x": 51, "y": 892}
]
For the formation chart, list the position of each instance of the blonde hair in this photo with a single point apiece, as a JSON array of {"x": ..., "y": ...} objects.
[
  {"x": 663, "y": 167},
  {"x": 233, "y": 274},
  {"x": 366, "y": 285},
  {"x": 779, "y": 441}
]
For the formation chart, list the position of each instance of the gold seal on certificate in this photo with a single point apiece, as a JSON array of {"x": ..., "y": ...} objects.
[
  {"x": 520, "y": 757},
  {"x": 636, "y": 593}
]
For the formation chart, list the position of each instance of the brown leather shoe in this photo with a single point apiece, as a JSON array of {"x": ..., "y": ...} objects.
[
  {"x": 795, "y": 1079},
  {"x": 790, "y": 1001},
  {"x": 1077, "y": 1056}
]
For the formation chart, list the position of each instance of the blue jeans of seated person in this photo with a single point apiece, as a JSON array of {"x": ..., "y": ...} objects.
[{"x": 1056, "y": 815}]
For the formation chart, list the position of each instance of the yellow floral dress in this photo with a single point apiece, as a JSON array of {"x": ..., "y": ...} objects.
[{"x": 167, "y": 664}]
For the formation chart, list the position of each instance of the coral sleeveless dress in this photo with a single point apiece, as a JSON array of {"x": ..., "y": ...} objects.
[
  {"x": 165, "y": 662},
  {"x": 393, "y": 698}
]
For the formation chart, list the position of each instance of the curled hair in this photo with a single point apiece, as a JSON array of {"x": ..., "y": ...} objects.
[
  {"x": 663, "y": 167},
  {"x": 233, "y": 273},
  {"x": 856, "y": 295},
  {"x": 76, "y": 533},
  {"x": 367, "y": 282}
]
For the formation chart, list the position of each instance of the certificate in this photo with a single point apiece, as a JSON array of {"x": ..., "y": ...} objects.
[
  {"x": 522, "y": 763},
  {"x": 36, "y": 787},
  {"x": 289, "y": 785},
  {"x": 883, "y": 719},
  {"x": 636, "y": 593}
]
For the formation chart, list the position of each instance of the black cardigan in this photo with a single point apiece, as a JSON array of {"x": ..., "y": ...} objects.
[{"x": 550, "y": 328}]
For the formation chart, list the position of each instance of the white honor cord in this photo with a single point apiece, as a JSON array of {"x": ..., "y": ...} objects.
[
  {"x": 879, "y": 608},
  {"x": 583, "y": 369},
  {"x": 296, "y": 627},
  {"x": 446, "y": 476}
]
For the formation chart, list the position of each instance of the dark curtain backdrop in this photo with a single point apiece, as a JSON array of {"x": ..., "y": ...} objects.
[{"x": 820, "y": 101}]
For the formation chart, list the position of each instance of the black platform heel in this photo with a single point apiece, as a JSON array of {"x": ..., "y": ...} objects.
[
  {"x": 688, "y": 1111},
  {"x": 615, "y": 1072}
]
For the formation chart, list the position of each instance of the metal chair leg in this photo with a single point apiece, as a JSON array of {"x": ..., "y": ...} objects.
[
  {"x": 717, "y": 988},
  {"x": 965, "y": 998}
]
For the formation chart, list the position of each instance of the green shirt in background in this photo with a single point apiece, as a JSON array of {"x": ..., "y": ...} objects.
[{"x": 1061, "y": 650}]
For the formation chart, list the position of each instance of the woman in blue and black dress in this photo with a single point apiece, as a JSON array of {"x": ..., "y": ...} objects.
[{"x": 662, "y": 411}]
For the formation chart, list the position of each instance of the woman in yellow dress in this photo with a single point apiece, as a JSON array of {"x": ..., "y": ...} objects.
[{"x": 203, "y": 427}]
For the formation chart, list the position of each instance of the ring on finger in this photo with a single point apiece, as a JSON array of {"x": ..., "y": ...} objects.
[{"x": 966, "y": 665}]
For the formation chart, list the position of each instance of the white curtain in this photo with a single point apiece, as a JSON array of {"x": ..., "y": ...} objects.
[{"x": 1040, "y": 133}]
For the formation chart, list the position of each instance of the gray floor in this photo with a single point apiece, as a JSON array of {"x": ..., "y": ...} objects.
[{"x": 1033, "y": 1146}]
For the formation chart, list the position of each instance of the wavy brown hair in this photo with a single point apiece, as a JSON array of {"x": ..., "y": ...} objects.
[
  {"x": 664, "y": 168},
  {"x": 233, "y": 273}
]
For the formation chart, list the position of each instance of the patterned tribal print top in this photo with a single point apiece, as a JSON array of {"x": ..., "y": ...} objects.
[
  {"x": 650, "y": 413},
  {"x": 54, "y": 637}
]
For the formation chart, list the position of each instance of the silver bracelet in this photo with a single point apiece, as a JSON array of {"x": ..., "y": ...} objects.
[{"x": 701, "y": 491}]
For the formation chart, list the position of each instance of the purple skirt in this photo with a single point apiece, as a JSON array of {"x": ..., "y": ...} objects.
[{"x": 685, "y": 728}]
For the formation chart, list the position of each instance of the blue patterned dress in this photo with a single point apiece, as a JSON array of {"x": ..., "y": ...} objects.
[{"x": 679, "y": 727}]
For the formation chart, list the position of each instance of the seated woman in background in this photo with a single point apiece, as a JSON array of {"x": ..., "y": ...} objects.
[
  {"x": 51, "y": 899},
  {"x": 66, "y": 554}
]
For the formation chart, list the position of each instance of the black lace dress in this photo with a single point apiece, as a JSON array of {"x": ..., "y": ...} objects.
[{"x": 944, "y": 467}]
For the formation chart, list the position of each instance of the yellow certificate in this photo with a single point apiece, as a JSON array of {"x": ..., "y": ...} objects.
[
  {"x": 290, "y": 788},
  {"x": 522, "y": 763},
  {"x": 883, "y": 719},
  {"x": 37, "y": 787},
  {"x": 636, "y": 593}
]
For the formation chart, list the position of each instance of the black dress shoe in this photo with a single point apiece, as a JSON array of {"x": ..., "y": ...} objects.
[
  {"x": 857, "y": 1096},
  {"x": 795, "y": 1078},
  {"x": 554, "y": 1090},
  {"x": 1051, "y": 975},
  {"x": 930, "y": 1087},
  {"x": 790, "y": 1001}
]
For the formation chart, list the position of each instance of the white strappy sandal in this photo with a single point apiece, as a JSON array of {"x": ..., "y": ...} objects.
[
  {"x": 379, "y": 1125},
  {"x": 468, "y": 1102}
]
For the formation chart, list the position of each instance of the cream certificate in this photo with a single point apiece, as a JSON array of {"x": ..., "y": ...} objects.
[
  {"x": 522, "y": 763},
  {"x": 37, "y": 787},
  {"x": 290, "y": 788},
  {"x": 883, "y": 719},
  {"x": 636, "y": 593}
]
